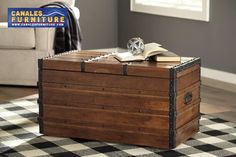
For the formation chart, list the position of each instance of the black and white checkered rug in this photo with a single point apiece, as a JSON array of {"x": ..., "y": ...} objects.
[{"x": 19, "y": 137}]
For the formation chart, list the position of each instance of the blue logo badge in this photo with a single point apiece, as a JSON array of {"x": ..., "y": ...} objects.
[{"x": 37, "y": 17}]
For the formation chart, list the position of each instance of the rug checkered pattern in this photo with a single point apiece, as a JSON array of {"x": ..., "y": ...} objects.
[{"x": 19, "y": 136}]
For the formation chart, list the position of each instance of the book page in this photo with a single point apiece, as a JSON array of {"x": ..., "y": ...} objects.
[
  {"x": 128, "y": 56},
  {"x": 124, "y": 54},
  {"x": 152, "y": 49}
]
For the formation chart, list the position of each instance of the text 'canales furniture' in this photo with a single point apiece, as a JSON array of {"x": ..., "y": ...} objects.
[{"x": 91, "y": 95}]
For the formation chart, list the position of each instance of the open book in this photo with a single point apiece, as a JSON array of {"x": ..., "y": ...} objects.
[
  {"x": 167, "y": 57},
  {"x": 151, "y": 49}
]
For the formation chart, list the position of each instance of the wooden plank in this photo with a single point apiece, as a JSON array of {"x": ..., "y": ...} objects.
[
  {"x": 187, "y": 107},
  {"x": 105, "y": 116},
  {"x": 187, "y": 115},
  {"x": 188, "y": 79},
  {"x": 187, "y": 131},
  {"x": 107, "y": 89},
  {"x": 189, "y": 70},
  {"x": 69, "y": 61},
  {"x": 106, "y": 100},
  {"x": 52, "y": 129},
  {"x": 180, "y": 100},
  {"x": 62, "y": 65},
  {"x": 126, "y": 109},
  {"x": 148, "y": 71},
  {"x": 104, "y": 68},
  {"x": 189, "y": 88},
  {"x": 104, "y": 80},
  {"x": 114, "y": 126}
]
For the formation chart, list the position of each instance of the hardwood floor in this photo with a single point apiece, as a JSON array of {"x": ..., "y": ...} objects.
[
  {"x": 14, "y": 92},
  {"x": 216, "y": 102},
  {"x": 219, "y": 103}
]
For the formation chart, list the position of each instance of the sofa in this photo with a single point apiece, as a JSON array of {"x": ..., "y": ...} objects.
[{"x": 20, "y": 48}]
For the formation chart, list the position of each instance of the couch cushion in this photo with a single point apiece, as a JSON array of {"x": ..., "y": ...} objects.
[
  {"x": 20, "y": 38},
  {"x": 5, "y": 4}
]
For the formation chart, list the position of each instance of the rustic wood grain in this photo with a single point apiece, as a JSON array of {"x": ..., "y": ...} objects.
[
  {"x": 106, "y": 89},
  {"x": 52, "y": 129},
  {"x": 188, "y": 79},
  {"x": 107, "y": 116},
  {"x": 180, "y": 102},
  {"x": 189, "y": 70},
  {"x": 103, "y": 80},
  {"x": 97, "y": 67},
  {"x": 187, "y": 115},
  {"x": 187, "y": 131},
  {"x": 77, "y": 98},
  {"x": 110, "y": 126},
  {"x": 126, "y": 102}
]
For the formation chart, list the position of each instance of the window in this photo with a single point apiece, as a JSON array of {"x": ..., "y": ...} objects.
[{"x": 190, "y": 9}]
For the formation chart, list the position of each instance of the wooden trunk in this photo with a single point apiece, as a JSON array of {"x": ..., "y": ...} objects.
[{"x": 91, "y": 95}]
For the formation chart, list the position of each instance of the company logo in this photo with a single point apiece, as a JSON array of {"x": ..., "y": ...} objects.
[{"x": 37, "y": 17}]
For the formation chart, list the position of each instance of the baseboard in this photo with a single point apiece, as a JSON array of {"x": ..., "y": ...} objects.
[
  {"x": 210, "y": 77},
  {"x": 218, "y": 79}
]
